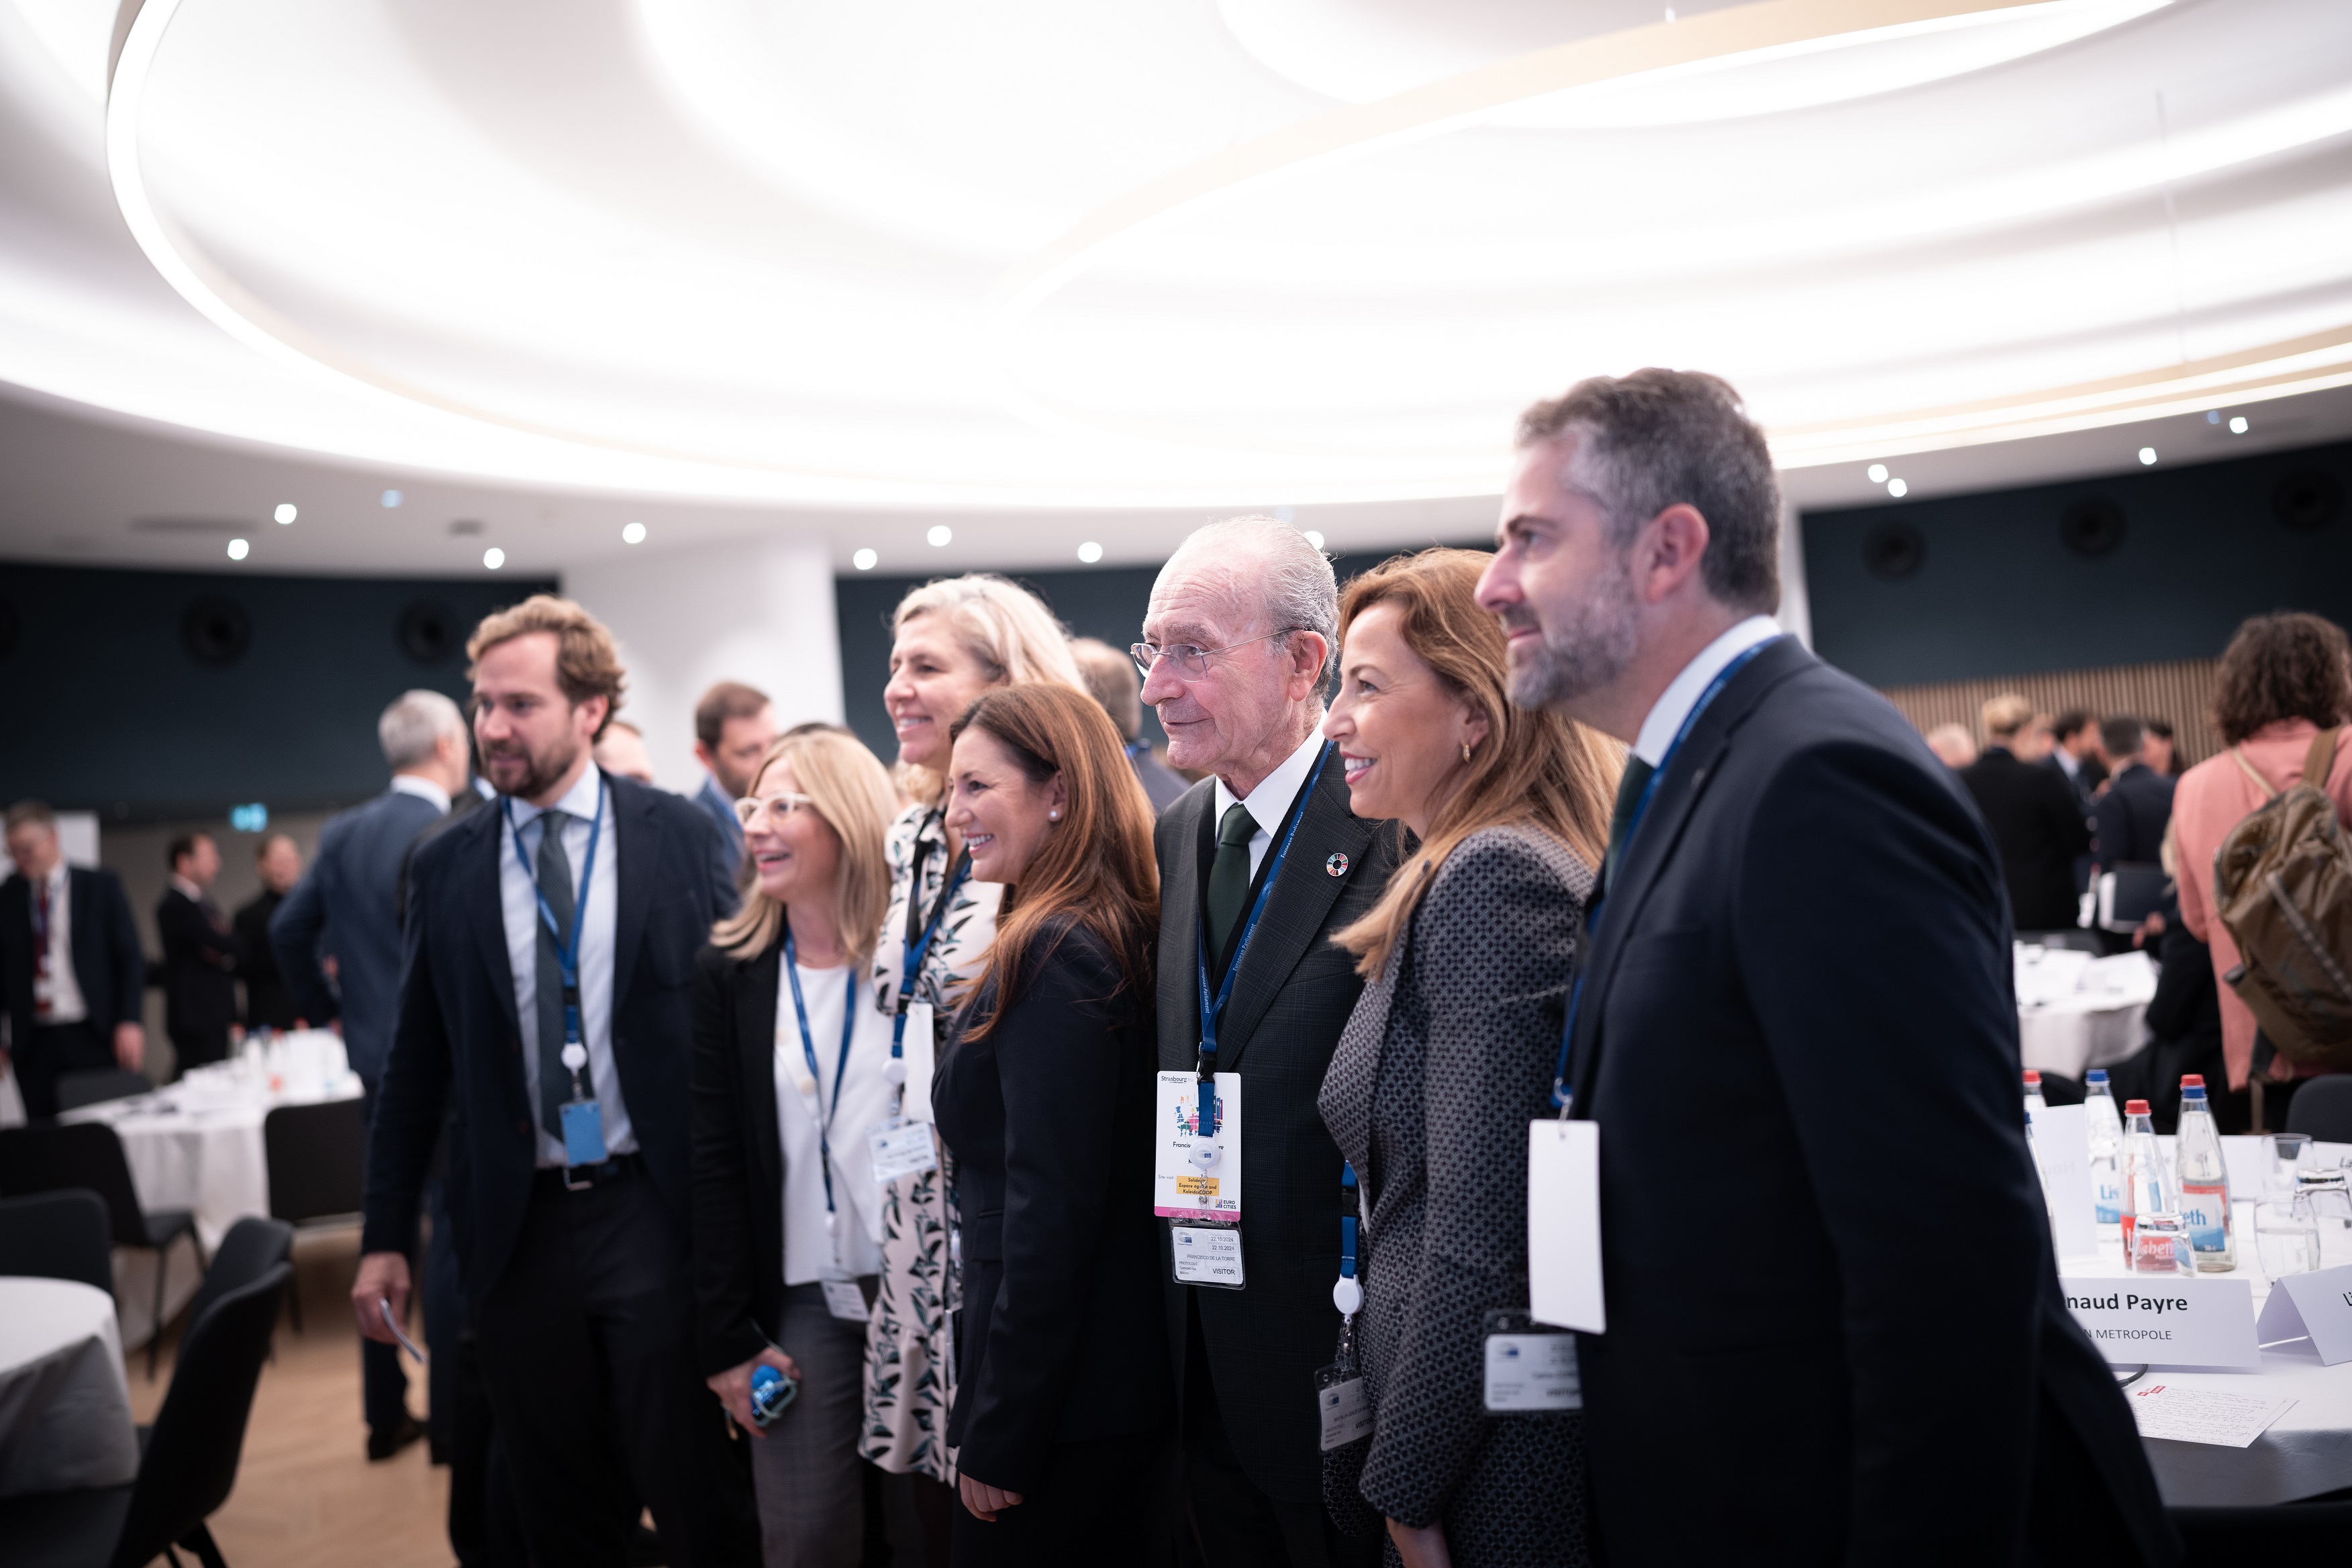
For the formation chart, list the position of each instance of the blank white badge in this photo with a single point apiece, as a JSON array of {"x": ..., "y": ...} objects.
[{"x": 1564, "y": 1225}]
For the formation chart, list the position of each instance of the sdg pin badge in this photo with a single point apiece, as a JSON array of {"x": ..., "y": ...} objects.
[{"x": 1337, "y": 865}]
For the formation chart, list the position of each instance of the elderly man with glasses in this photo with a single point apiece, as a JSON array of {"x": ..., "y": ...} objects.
[{"x": 1257, "y": 867}]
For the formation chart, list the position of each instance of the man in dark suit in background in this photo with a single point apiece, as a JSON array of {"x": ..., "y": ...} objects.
[
  {"x": 733, "y": 728},
  {"x": 70, "y": 965},
  {"x": 199, "y": 971},
  {"x": 1110, "y": 675},
  {"x": 268, "y": 1005},
  {"x": 2137, "y": 806},
  {"x": 2037, "y": 821},
  {"x": 2076, "y": 756},
  {"x": 348, "y": 907},
  {"x": 1240, "y": 637},
  {"x": 547, "y": 984},
  {"x": 1798, "y": 944}
]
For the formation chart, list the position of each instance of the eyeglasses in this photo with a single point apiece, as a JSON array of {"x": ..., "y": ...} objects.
[
  {"x": 779, "y": 805},
  {"x": 1191, "y": 660}
]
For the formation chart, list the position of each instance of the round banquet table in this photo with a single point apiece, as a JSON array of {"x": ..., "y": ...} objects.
[
  {"x": 2075, "y": 1012},
  {"x": 65, "y": 1409}
]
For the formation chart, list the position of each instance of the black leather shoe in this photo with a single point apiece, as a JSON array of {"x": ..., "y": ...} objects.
[{"x": 383, "y": 1445}]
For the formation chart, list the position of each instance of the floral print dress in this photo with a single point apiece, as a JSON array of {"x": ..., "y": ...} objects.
[{"x": 909, "y": 1342}]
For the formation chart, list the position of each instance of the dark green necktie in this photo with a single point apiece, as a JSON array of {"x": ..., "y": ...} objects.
[
  {"x": 1229, "y": 879},
  {"x": 555, "y": 886},
  {"x": 1621, "y": 820}
]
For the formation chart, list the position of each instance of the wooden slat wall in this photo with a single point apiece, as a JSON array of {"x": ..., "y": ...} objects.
[{"x": 2181, "y": 692}]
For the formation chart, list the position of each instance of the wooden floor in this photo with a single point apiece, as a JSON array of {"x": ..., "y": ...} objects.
[{"x": 305, "y": 1491}]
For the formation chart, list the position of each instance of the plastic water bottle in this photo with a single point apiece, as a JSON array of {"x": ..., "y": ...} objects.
[
  {"x": 2033, "y": 1101},
  {"x": 2106, "y": 1130},
  {"x": 2147, "y": 1185},
  {"x": 2041, "y": 1178},
  {"x": 2204, "y": 1181}
]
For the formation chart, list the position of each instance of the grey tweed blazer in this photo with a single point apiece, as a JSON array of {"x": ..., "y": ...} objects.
[{"x": 1446, "y": 1059}]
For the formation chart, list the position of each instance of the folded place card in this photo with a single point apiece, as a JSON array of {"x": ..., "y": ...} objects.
[
  {"x": 2203, "y": 1415},
  {"x": 2062, "y": 1141},
  {"x": 2166, "y": 1319},
  {"x": 2318, "y": 1304}
]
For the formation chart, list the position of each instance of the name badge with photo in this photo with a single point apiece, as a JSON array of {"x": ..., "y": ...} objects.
[{"x": 1196, "y": 1156}]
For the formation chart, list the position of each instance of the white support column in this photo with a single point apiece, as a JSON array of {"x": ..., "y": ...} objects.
[
  {"x": 1795, "y": 614},
  {"x": 759, "y": 612}
]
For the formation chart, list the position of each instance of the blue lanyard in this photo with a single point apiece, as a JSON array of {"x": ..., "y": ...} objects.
[
  {"x": 917, "y": 951},
  {"x": 1212, "y": 1011},
  {"x": 808, "y": 1053},
  {"x": 1346, "y": 1220},
  {"x": 567, "y": 953},
  {"x": 1561, "y": 1095}
]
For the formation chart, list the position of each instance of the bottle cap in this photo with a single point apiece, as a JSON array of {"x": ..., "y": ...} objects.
[
  {"x": 2134, "y": 1108},
  {"x": 2096, "y": 1075},
  {"x": 2192, "y": 1081},
  {"x": 2031, "y": 1076}
]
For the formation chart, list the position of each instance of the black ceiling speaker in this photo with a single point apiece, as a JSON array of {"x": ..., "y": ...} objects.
[
  {"x": 2091, "y": 526},
  {"x": 427, "y": 631},
  {"x": 2307, "y": 499},
  {"x": 215, "y": 630},
  {"x": 1893, "y": 550},
  {"x": 9, "y": 627}
]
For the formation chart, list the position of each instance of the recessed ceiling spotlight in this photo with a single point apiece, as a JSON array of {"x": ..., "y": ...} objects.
[
  {"x": 392, "y": 498},
  {"x": 1315, "y": 537},
  {"x": 1089, "y": 552},
  {"x": 2147, "y": 456},
  {"x": 285, "y": 512},
  {"x": 939, "y": 534},
  {"x": 863, "y": 560},
  {"x": 2238, "y": 425},
  {"x": 633, "y": 533},
  {"x": 1877, "y": 473},
  {"x": 239, "y": 549},
  {"x": 494, "y": 558},
  {"x": 1897, "y": 489}
]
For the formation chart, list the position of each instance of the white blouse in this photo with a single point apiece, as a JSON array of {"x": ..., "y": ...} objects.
[{"x": 801, "y": 1106}]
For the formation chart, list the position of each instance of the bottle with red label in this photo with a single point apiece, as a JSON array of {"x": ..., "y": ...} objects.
[
  {"x": 2033, "y": 1101},
  {"x": 2204, "y": 1179},
  {"x": 2147, "y": 1188}
]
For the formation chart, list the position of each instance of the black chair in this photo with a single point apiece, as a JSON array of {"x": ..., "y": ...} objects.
[
  {"x": 2290, "y": 1533},
  {"x": 316, "y": 1156},
  {"x": 252, "y": 1247},
  {"x": 2058, "y": 1090},
  {"x": 58, "y": 1236},
  {"x": 47, "y": 1158},
  {"x": 76, "y": 1090},
  {"x": 187, "y": 1461},
  {"x": 2322, "y": 1108}
]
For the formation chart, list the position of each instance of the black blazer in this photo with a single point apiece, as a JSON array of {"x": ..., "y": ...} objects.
[
  {"x": 739, "y": 1162},
  {"x": 199, "y": 964},
  {"x": 267, "y": 1003},
  {"x": 2040, "y": 828},
  {"x": 1049, "y": 1118},
  {"x": 108, "y": 963},
  {"x": 1289, "y": 1003},
  {"x": 2132, "y": 816},
  {"x": 1804, "y": 961},
  {"x": 458, "y": 1031}
]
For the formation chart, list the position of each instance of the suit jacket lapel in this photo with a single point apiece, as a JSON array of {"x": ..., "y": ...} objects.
[
  {"x": 636, "y": 850},
  {"x": 82, "y": 928},
  {"x": 1679, "y": 791},
  {"x": 756, "y": 987},
  {"x": 1296, "y": 908},
  {"x": 489, "y": 904},
  {"x": 1180, "y": 933}
]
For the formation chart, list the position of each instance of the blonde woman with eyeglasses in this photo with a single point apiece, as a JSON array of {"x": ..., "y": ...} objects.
[{"x": 790, "y": 1070}]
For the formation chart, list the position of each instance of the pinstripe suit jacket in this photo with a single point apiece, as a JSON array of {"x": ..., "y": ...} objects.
[{"x": 1290, "y": 1000}]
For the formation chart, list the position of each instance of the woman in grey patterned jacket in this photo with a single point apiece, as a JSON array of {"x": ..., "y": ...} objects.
[{"x": 1449, "y": 1055}]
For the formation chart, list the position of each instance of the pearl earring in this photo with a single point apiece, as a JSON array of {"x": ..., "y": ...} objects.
[
  {"x": 1465, "y": 750},
  {"x": 1054, "y": 816}
]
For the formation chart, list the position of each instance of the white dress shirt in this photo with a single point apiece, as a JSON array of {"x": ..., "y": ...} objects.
[
  {"x": 424, "y": 790},
  {"x": 1674, "y": 703},
  {"x": 1270, "y": 802},
  {"x": 799, "y": 1106},
  {"x": 519, "y": 903},
  {"x": 57, "y": 995}
]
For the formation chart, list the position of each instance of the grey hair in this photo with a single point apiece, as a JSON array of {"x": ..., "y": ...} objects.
[
  {"x": 412, "y": 726},
  {"x": 1269, "y": 560}
]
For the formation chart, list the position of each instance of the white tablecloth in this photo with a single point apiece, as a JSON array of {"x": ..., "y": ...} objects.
[
  {"x": 65, "y": 1409},
  {"x": 2075, "y": 1012}
]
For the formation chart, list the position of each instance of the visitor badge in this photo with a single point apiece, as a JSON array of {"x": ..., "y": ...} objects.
[
  {"x": 1197, "y": 1174},
  {"x": 844, "y": 1296},
  {"x": 1564, "y": 1225},
  {"x": 920, "y": 1044},
  {"x": 1343, "y": 1409},
  {"x": 583, "y": 1132},
  {"x": 901, "y": 1148},
  {"x": 1529, "y": 1368},
  {"x": 1207, "y": 1254}
]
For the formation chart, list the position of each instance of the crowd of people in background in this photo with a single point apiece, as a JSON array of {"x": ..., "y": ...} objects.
[{"x": 797, "y": 1153}]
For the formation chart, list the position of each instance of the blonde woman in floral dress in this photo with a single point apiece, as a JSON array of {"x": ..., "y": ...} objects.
[{"x": 952, "y": 641}]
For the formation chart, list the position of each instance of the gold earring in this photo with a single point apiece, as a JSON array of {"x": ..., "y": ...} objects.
[{"x": 1465, "y": 750}]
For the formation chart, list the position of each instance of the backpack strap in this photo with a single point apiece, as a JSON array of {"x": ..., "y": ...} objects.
[
  {"x": 2315, "y": 766},
  {"x": 2261, "y": 783}
]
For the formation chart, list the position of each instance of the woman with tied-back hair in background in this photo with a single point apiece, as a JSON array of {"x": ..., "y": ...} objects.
[
  {"x": 1449, "y": 1054},
  {"x": 952, "y": 641},
  {"x": 1064, "y": 1419}
]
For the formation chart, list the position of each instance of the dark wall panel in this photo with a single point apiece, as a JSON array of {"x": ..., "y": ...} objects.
[
  {"x": 1995, "y": 588},
  {"x": 145, "y": 694}
]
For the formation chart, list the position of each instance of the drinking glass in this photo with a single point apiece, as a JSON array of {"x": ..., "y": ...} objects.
[
  {"x": 2160, "y": 1245},
  {"x": 2286, "y": 1236},
  {"x": 2288, "y": 1150}
]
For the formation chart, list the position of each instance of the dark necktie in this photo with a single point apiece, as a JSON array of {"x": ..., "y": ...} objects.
[
  {"x": 1229, "y": 879},
  {"x": 555, "y": 887},
  {"x": 41, "y": 950},
  {"x": 1621, "y": 820}
]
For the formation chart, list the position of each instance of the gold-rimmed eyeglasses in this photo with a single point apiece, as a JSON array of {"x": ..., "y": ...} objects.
[
  {"x": 780, "y": 805},
  {"x": 1190, "y": 659}
]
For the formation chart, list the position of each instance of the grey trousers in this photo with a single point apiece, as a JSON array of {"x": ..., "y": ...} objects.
[{"x": 805, "y": 1472}]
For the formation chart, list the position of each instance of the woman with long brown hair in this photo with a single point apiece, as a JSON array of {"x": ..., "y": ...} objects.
[
  {"x": 1063, "y": 1417},
  {"x": 1448, "y": 1056}
]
